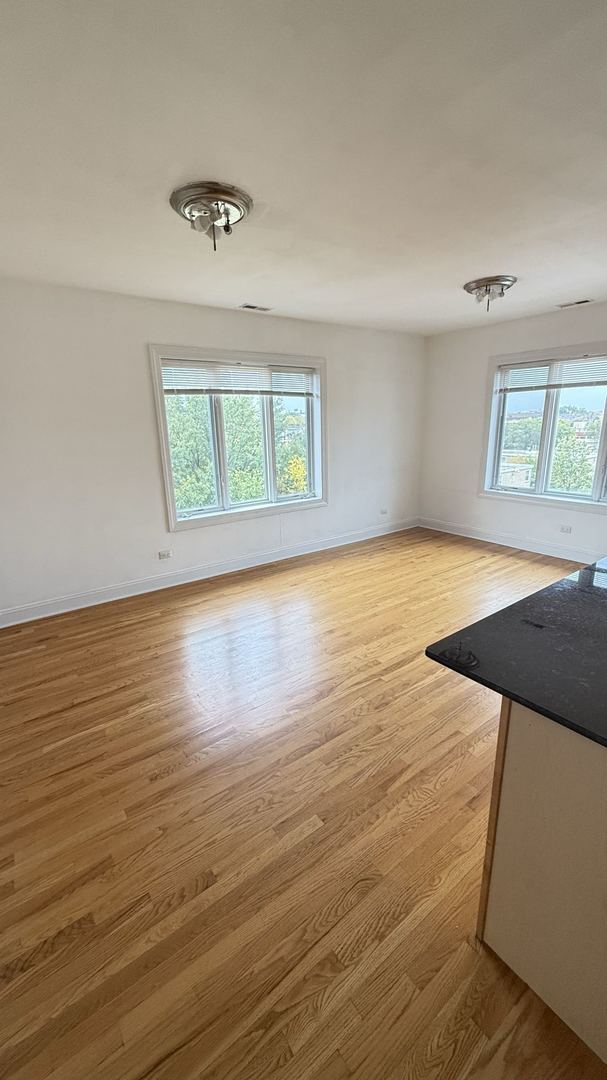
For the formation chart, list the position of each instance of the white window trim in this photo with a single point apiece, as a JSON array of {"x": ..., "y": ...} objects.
[
  {"x": 572, "y": 502},
  {"x": 318, "y": 453}
]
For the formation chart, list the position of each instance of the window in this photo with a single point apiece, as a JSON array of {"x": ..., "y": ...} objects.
[
  {"x": 237, "y": 434},
  {"x": 548, "y": 429}
]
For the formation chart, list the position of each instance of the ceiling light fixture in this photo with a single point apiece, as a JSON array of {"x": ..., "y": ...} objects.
[
  {"x": 211, "y": 207},
  {"x": 490, "y": 288}
]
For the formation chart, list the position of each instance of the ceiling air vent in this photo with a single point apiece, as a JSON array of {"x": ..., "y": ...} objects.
[
  {"x": 574, "y": 303},
  {"x": 254, "y": 307}
]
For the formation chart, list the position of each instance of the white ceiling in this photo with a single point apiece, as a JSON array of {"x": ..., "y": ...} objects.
[{"x": 393, "y": 149}]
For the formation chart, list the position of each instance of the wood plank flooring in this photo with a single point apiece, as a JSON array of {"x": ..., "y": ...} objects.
[{"x": 243, "y": 825}]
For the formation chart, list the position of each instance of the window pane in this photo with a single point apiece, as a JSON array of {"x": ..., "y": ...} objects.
[
  {"x": 245, "y": 461},
  {"x": 576, "y": 442},
  {"x": 521, "y": 439},
  {"x": 291, "y": 443},
  {"x": 191, "y": 445}
]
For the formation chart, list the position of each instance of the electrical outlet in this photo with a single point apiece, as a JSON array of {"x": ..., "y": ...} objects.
[
  {"x": 166, "y": 554},
  {"x": 566, "y": 528}
]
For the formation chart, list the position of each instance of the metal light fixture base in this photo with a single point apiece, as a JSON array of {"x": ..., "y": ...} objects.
[
  {"x": 490, "y": 288},
  {"x": 210, "y": 206}
]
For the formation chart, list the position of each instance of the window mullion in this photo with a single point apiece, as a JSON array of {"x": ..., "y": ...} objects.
[
  {"x": 269, "y": 446},
  {"x": 220, "y": 450},
  {"x": 546, "y": 447}
]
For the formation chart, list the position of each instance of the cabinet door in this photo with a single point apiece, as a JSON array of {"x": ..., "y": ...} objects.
[{"x": 547, "y": 898}]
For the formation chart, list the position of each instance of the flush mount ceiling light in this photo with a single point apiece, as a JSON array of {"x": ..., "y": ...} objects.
[
  {"x": 490, "y": 288},
  {"x": 211, "y": 207}
]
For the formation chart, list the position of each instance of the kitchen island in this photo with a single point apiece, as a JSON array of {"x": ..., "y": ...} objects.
[{"x": 543, "y": 903}]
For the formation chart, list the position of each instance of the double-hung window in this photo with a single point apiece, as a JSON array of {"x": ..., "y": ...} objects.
[
  {"x": 548, "y": 433},
  {"x": 238, "y": 432}
]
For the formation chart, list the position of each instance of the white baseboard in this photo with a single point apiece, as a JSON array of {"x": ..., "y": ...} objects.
[
  {"x": 73, "y": 601},
  {"x": 524, "y": 543}
]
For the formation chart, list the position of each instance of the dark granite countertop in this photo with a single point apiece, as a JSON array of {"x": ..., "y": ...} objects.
[{"x": 548, "y": 651}]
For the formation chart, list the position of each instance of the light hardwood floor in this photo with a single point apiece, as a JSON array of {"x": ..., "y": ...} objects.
[{"x": 243, "y": 825}]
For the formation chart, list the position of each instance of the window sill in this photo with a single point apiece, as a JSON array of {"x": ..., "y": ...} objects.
[
  {"x": 246, "y": 512},
  {"x": 561, "y": 502}
]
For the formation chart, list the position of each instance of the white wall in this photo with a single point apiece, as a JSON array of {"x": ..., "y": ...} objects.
[
  {"x": 455, "y": 414},
  {"x": 83, "y": 510}
]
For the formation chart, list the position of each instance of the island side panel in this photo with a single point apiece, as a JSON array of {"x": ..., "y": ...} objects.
[
  {"x": 496, "y": 789},
  {"x": 546, "y": 912}
]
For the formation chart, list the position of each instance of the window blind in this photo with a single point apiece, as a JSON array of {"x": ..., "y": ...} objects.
[
  {"x": 197, "y": 377},
  {"x": 591, "y": 371}
]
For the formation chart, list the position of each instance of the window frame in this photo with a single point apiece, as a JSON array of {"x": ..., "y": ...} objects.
[
  {"x": 317, "y": 437},
  {"x": 540, "y": 494}
]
